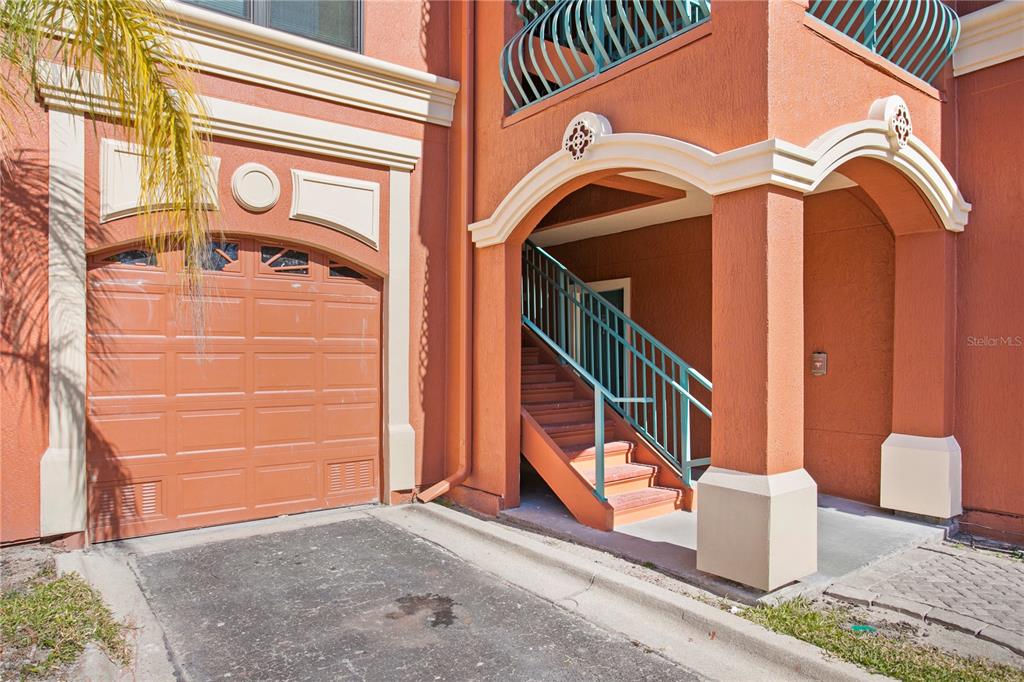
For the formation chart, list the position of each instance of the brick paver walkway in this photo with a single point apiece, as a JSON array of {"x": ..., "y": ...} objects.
[{"x": 969, "y": 590}]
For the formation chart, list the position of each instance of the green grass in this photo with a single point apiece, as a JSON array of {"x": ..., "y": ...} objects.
[
  {"x": 49, "y": 621},
  {"x": 886, "y": 651}
]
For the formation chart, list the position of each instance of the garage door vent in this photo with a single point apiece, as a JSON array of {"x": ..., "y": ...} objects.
[
  {"x": 127, "y": 502},
  {"x": 345, "y": 476}
]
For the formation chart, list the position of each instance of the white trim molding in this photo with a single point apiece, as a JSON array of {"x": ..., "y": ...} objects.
[
  {"x": 401, "y": 438},
  {"x": 231, "y": 47},
  {"x": 62, "y": 491},
  {"x": 120, "y": 185},
  {"x": 343, "y": 204},
  {"x": 84, "y": 94},
  {"x": 770, "y": 162},
  {"x": 990, "y": 36}
]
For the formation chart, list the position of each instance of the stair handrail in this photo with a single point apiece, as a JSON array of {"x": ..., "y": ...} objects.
[
  {"x": 600, "y": 395},
  {"x": 563, "y": 288}
]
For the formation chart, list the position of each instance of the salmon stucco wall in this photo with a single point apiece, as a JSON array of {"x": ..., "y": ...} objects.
[
  {"x": 24, "y": 345},
  {"x": 848, "y": 307},
  {"x": 849, "y": 266},
  {"x": 990, "y": 307}
]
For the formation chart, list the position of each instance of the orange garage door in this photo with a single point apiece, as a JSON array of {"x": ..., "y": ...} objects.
[{"x": 275, "y": 410}]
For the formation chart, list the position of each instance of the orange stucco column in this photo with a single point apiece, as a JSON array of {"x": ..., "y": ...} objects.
[
  {"x": 494, "y": 481},
  {"x": 756, "y": 505},
  {"x": 757, "y": 324},
  {"x": 924, "y": 334},
  {"x": 921, "y": 469}
]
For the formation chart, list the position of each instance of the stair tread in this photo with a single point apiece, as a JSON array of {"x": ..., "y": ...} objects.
[
  {"x": 559, "y": 427},
  {"x": 541, "y": 385},
  {"x": 544, "y": 405},
  {"x": 539, "y": 368},
  {"x": 611, "y": 445},
  {"x": 643, "y": 498},
  {"x": 619, "y": 472}
]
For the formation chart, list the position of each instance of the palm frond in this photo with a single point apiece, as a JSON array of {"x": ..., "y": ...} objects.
[{"x": 145, "y": 89}]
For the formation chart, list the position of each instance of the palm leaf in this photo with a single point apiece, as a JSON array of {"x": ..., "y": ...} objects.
[{"x": 146, "y": 89}]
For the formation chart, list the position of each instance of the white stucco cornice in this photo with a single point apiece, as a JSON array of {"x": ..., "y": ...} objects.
[
  {"x": 63, "y": 91},
  {"x": 231, "y": 47},
  {"x": 990, "y": 36},
  {"x": 770, "y": 162}
]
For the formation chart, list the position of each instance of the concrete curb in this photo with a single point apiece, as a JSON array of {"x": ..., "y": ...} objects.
[
  {"x": 114, "y": 579},
  {"x": 698, "y": 635}
]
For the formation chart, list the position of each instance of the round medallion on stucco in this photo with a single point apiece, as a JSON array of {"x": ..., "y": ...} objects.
[
  {"x": 582, "y": 132},
  {"x": 255, "y": 187}
]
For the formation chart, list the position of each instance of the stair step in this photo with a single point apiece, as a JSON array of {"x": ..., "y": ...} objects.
[
  {"x": 530, "y": 356},
  {"x": 644, "y": 504},
  {"x": 561, "y": 411},
  {"x": 615, "y": 452},
  {"x": 619, "y": 472},
  {"x": 539, "y": 373},
  {"x": 547, "y": 391},
  {"x": 574, "y": 433}
]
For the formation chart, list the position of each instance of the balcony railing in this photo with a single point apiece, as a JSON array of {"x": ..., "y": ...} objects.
[
  {"x": 918, "y": 36},
  {"x": 563, "y": 42}
]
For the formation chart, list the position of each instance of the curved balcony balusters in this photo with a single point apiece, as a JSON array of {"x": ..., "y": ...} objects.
[
  {"x": 563, "y": 42},
  {"x": 918, "y": 36}
]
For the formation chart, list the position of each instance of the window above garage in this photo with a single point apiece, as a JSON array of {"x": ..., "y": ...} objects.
[{"x": 335, "y": 22}]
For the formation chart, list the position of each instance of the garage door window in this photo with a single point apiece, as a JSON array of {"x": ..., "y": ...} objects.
[
  {"x": 139, "y": 257},
  {"x": 284, "y": 261},
  {"x": 221, "y": 257}
]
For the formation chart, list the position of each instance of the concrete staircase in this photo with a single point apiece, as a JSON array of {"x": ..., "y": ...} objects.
[{"x": 558, "y": 441}]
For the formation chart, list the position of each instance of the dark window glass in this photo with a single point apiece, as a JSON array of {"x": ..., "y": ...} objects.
[
  {"x": 285, "y": 261},
  {"x": 336, "y": 22},
  {"x": 345, "y": 271},
  {"x": 329, "y": 21},
  {"x": 133, "y": 257},
  {"x": 219, "y": 255}
]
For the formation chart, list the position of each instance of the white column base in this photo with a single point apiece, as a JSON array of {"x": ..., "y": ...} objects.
[
  {"x": 761, "y": 531},
  {"x": 921, "y": 475},
  {"x": 401, "y": 457},
  {"x": 62, "y": 494}
]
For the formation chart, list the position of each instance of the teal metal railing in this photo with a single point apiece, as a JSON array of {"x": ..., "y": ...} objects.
[
  {"x": 563, "y": 42},
  {"x": 630, "y": 370},
  {"x": 918, "y": 36}
]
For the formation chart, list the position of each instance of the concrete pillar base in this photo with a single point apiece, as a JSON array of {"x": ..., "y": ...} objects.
[
  {"x": 921, "y": 475},
  {"x": 758, "y": 530}
]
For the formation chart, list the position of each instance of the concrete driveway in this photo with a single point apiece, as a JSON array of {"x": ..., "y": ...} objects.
[{"x": 363, "y": 599}]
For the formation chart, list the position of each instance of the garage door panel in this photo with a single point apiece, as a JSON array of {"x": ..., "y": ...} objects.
[
  {"x": 286, "y": 318},
  {"x": 284, "y": 372},
  {"x": 350, "y": 370},
  {"x": 278, "y": 411},
  {"x": 220, "y": 491},
  {"x": 128, "y": 313},
  {"x": 125, "y": 436},
  {"x": 277, "y": 484},
  {"x": 114, "y": 374},
  {"x": 211, "y": 431},
  {"x": 210, "y": 373},
  {"x": 348, "y": 421},
  {"x": 275, "y": 426},
  {"x": 349, "y": 320},
  {"x": 223, "y": 317}
]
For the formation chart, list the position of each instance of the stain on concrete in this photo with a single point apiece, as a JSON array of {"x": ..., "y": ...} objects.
[{"x": 440, "y": 608}]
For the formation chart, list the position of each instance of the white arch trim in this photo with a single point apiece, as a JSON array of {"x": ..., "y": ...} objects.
[{"x": 771, "y": 162}]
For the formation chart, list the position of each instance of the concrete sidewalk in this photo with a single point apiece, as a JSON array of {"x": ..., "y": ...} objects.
[{"x": 851, "y": 536}]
